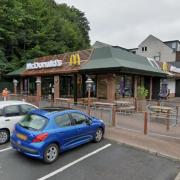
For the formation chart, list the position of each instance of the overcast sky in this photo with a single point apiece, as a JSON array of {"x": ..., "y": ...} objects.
[{"x": 127, "y": 23}]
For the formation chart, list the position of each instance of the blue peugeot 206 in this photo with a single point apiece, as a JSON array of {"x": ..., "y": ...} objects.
[{"x": 42, "y": 134}]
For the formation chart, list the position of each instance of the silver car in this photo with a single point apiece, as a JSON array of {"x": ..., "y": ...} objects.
[{"x": 11, "y": 112}]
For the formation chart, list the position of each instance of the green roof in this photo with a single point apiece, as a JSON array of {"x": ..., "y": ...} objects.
[
  {"x": 99, "y": 44},
  {"x": 113, "y": 58},
  {"x": 19, "y": 71}
]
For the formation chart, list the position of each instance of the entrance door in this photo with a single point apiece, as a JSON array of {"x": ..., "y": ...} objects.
[
  {"x": 47, "y": 86},
  {"x": 177, "y": 88},
  {"x": 66, "y": 86}
]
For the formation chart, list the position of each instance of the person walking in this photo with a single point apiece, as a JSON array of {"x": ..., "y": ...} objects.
[{"x": 5, "y": 94}]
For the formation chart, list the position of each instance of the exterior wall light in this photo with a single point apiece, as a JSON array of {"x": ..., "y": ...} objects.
[
  {"x": 15, "y": 82},
  {"x": 89, "y": 83},
  {"x": 38, "y": 81}
]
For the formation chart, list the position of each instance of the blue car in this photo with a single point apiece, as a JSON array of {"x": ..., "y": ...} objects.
[{"x": 42, "y": 134}]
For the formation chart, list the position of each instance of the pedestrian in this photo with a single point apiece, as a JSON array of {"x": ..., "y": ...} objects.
[{"x": 5, "y": 94}]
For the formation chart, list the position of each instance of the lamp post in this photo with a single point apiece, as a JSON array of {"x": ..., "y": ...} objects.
[
  {"x": 38, "y": 89},
  {"x": 15, "y": 82},
  {"x": 89, "y": 83}
]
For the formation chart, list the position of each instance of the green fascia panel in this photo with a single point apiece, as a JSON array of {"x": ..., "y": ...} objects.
[{"x": 19, "y": 71}]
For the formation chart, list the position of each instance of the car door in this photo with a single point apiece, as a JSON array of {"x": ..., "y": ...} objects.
[
  {"x": 12, "y": 115},
  {"x": 83, "y": 126},
  {"x": 65, "y": 131}
]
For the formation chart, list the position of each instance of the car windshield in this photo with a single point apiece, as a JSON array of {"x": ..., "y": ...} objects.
[{"x": 33, "y": 122}]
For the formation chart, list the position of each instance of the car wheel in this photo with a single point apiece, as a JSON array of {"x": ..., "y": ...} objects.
[
  {"x": 4, "y": 136},
  {"x": 51, "y": 153},
  {"x": 98, "y": 135}
]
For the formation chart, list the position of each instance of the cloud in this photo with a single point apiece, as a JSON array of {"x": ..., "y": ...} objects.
[{"x": 128, "y": 23}]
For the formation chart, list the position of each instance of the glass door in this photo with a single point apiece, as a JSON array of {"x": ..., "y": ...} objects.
[{"x": 66, "y": 86}]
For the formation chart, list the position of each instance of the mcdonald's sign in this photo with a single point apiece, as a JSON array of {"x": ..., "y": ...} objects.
[
  {"x": 75, "y": 59},
  {"x": 165, "y": 66}
]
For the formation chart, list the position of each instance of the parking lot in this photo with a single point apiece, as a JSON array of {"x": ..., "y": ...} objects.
[{"x": 105, "y": 160}]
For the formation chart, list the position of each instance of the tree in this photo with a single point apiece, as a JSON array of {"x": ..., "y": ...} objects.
[{"x": 37, "y": 28}]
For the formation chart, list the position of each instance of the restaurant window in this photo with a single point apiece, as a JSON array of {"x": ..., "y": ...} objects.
[
  {"x": 79, "y": 86},
  {"x": 124, "y": 86},
  {"x": 140, "y": 81},
  {"x": 66, "y": 86},
  {"x": 102, "y": 87},
  {"x": 32, "y": 85},
  {"x": 25, "y": 85},
  {"x": 48, "y": 86}
]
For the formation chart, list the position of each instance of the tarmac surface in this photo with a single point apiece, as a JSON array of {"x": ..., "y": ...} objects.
[{"x": 106, "y": 160}]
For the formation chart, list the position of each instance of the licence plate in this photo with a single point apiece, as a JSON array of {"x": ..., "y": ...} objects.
[{"x": 21, "y": 136}]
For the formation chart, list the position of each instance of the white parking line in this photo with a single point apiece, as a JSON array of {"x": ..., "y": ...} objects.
[
  {"x": 73, "y": 163},
  {"x": 2, "y": 150}
]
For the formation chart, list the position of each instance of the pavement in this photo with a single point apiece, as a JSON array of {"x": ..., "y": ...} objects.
[{"x": 162, "y": 146}]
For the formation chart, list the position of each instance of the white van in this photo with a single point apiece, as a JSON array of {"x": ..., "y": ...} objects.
[{"x": 11, "y": 112}]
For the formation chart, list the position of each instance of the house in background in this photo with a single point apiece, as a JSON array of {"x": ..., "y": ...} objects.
[{"x": 167, "y": 51}]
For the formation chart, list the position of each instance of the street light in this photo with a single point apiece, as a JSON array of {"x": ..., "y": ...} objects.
[
  {"x": 38, "y": 90},
  {"x": 15, "y": 82},
  {"x": 89, "y": 83}
]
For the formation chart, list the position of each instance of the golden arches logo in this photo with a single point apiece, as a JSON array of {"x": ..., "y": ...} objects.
[
  {"x": 75, "y": 59},
  {"x": 165, "y": 66}
]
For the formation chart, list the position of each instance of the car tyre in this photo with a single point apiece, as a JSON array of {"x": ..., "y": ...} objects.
[
  {"x": 4, "y": 136},
  {"x": 51, "y": 153},
  {"x": 98, "y": 135}
]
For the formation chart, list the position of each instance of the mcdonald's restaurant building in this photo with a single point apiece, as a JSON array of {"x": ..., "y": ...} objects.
[{"x": 115, "y": 73}]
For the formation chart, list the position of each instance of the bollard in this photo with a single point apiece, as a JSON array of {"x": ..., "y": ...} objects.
[
  {"x": 135, "y": 103},
  {"x": 167, "y": 121},
  {"x": 114, "y": 116},
  {"x": 177, "y": 114},
  {"x": 145, "y": 123}
]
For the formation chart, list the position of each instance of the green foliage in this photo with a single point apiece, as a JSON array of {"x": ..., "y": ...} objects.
[
  {"x": 142, "y": 92},
  {"x": 35, "y": 28}
]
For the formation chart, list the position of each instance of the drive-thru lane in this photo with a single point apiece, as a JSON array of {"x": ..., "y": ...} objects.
[{"x": 114, "y": 162}]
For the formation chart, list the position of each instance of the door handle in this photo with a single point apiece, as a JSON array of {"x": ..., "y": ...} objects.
[{"x": 7, "y": 120}]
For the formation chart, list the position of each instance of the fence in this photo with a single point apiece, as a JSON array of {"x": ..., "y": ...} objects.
[
  {"x": 159, "y": 123},
  {"x": 103, "y": 113}
]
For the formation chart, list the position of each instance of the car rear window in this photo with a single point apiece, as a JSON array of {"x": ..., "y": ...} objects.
[{"x": 33, "y": 122}]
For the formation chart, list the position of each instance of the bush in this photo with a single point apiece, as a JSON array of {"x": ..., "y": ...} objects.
[{"x": 142, "y": 92}]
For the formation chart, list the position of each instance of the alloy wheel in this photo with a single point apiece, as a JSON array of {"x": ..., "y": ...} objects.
[
  {"x": 99, "y": 135},
  {"x": 51, "y": 153},
  {"x": 4, "y": 136}
]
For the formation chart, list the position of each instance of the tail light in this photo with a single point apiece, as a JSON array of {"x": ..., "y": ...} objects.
[{"x": 40, "y": 137}]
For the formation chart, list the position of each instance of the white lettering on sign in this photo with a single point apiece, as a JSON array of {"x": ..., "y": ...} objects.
[
  {"x": 48, "y": 64},
  {"x": 174, "y": 69}
]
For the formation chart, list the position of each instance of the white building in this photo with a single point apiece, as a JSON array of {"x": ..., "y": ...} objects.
[{"x": 168, "y": 51}]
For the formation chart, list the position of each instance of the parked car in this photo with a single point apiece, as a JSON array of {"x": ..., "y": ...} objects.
[
  {"x": 11, "y": 112},
  {"x": 44, "y": 135}
]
